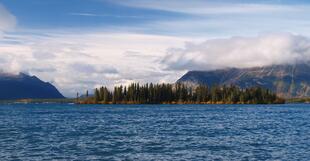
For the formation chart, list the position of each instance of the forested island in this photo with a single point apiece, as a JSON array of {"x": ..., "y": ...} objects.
[{"x": 180, "y": 94}]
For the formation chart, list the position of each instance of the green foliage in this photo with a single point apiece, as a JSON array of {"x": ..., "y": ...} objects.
[
  {"x": 97, "y": 95},
  {"x": 179, "y": 93}
]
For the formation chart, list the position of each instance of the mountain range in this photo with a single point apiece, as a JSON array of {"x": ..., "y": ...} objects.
[
  {"x": 23, "y": 86},
  {"x": 287, "y": 81}
]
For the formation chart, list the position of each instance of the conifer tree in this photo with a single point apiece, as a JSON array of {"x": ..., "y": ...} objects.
[
  {"x": 97, "y": 95},
  {"x": 180, "y": 93}
]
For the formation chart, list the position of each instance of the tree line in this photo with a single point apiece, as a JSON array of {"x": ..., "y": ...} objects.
[{"x": 181, "y": 94}]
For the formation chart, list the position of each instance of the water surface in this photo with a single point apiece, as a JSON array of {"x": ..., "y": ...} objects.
[{"x": 154, "y": 132}]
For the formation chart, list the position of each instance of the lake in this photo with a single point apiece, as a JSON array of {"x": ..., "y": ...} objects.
[{"x": 154, "y": 132}]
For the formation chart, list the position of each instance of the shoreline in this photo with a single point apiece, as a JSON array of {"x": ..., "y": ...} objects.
[
  {"x": 85, "y": 102},
  {"x": 176, "y": 103}
]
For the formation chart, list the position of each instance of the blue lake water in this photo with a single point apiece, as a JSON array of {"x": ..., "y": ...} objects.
[{"x": 155, "y": 132}]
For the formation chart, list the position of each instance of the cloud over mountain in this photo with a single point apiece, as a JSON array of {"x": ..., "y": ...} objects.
[
  {"x": 261, "y": 50},
  {"x": 109, "y": 42},
  {"x": 79, "y": 62}
]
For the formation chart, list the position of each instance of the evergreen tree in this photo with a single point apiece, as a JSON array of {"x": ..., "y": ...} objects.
[
  {"x": 180, "y": 93},
  {"x": 97, "y": 95}
]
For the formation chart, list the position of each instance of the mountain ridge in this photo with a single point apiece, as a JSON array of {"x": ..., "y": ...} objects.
[
  {"x": 23, "y": 86},
  {"x": 288, "y": 80}
]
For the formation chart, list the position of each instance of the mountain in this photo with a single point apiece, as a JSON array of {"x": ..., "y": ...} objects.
[
  {"x": 286, "y": 80},
  {"x": 23, "y": 86}
]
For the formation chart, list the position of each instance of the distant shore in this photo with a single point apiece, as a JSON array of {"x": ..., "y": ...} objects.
[
  {"x": 90, "y": 101},
  {"x": 176, "y": 103},
  {"x": 74, "y": 101},
  {"x": 38, "y": 100}
]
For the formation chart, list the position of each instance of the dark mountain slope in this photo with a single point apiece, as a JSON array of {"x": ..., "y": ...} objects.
[
  {"x": 286, "y": 80},
  {"x": 24, "y": 86}
]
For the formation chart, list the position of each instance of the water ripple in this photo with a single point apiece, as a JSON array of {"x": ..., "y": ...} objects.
[{"x": 154, "y": 132}]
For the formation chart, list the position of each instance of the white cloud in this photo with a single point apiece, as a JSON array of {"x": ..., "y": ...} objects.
[
  {"x": 7, "y": 20},
  {"x": 239, "y": 52},
  {"x": 79, "y": 62}
]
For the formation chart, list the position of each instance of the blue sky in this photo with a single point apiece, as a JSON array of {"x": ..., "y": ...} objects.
[
  {"x": 80, "y": 14},
  {"x": 209, "y": 17},
  {"x": 82, "y": 44}
]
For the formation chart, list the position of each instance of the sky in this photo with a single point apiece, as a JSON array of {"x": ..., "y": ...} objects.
[{"x": 78, "y": 45}]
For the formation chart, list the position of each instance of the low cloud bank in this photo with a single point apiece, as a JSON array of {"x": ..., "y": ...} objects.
[
  {"x": 240, "y": 52},
  {"x": 85, "y": 61},
  {"x": 79, "y": 62}
]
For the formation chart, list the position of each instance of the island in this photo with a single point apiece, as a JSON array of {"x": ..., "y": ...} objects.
[{"x": 179, "y": 94}]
